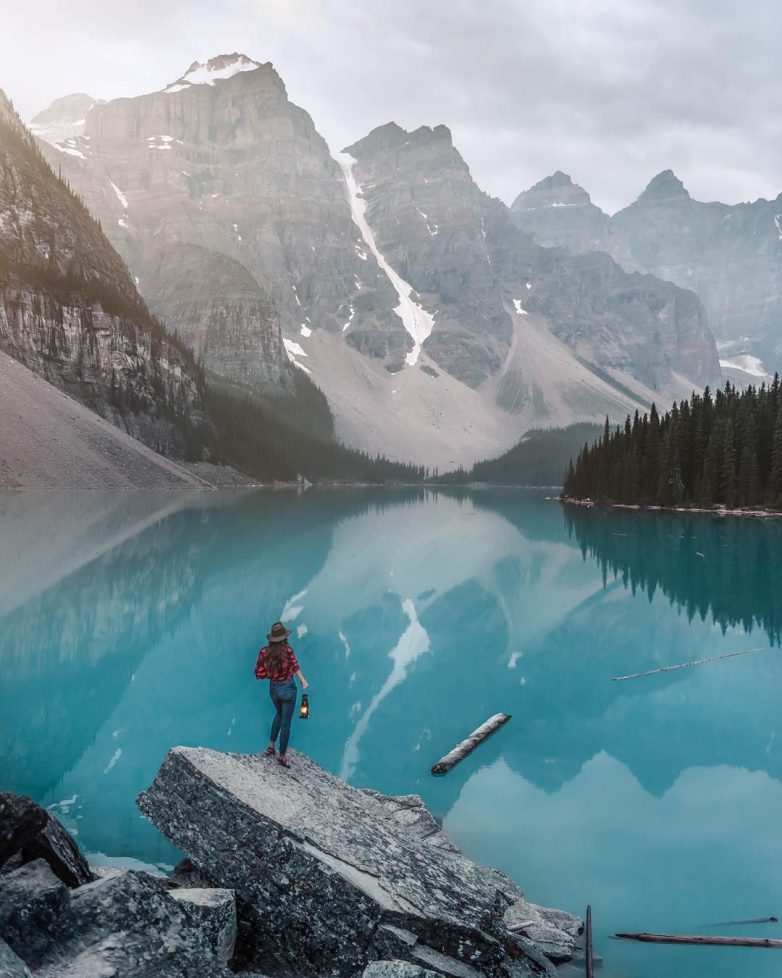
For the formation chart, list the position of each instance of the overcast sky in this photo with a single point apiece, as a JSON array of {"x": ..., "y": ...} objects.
[{"x": 610, "y": 91}]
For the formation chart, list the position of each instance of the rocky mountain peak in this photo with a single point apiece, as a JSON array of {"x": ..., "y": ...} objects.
[
  {"x": 69, "y": 108},
  {"x": 64, "y": 121},
  {"x": 210, "y": 72},
  {"x": 666, "y": 186},
  {"x": 556, "y": 179},
  {"x": 556, "y": 190},
  {"x": 392, "y": 136}
]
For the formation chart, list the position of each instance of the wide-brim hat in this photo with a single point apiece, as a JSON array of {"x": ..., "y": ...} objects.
[{"x": 278, "y": 633}]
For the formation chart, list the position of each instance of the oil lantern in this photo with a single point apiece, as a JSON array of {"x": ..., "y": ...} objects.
[{"x": 304, "y": 709}]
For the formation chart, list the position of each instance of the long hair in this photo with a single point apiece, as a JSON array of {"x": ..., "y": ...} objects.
[{"x": 275, "y": 657}]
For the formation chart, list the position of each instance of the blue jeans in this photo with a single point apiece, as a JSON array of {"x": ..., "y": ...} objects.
[{"x": 283, "y": 694}]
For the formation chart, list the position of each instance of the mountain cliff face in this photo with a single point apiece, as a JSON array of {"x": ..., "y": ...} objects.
[
  {"x": 223, "y": 162},
  {"x": 69, "y": 311},
  {"x": 438, "y": 330},
  {"x": 560, "y": 213},
  {"x": 731, "y": 256},
  {"x": 479, "y": 276}
]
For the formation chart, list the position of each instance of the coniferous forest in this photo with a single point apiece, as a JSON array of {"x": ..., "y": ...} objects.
[{"x": 721, "y": 450}]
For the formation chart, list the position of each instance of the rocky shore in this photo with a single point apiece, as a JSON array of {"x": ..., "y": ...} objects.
[
  {"x": 287, "y": 873},
  {"x": 710, "y": 510}
]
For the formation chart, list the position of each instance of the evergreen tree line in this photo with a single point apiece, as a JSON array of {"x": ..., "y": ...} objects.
[
  {"x": 709, "y": 451},
  {"x": 268, "y": 439},
  {"x": 537, "y": 460},
  {"x": 724, "y": 570}
]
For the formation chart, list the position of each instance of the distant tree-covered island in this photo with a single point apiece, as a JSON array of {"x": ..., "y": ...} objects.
[{"x": 711, "y": 451}]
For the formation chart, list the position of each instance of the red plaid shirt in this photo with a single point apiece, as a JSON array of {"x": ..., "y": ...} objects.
[{"x": 287, "y": 670}]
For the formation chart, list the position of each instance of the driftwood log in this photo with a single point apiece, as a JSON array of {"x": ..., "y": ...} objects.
[
  {"x": 736, "y": 923},
  {"x": 687, "y": 665},
  {"x": 701, "y": 939},
  {"x": 588, "y": 943},
  {"x": 468, "y": 745}
]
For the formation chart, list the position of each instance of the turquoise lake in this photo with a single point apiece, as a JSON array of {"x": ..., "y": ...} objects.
[{"x": 130, "y": 623}]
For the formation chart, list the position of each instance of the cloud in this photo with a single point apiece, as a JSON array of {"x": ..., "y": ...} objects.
[{"x": 611, "y": 91}]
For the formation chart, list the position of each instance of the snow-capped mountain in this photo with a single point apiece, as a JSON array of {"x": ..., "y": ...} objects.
[
  {"x": 214, "y": 70},
  {"x": 730, "y": 255},
  {"x": 438, "y": 331},
  {"x": 62, "y": 124}
]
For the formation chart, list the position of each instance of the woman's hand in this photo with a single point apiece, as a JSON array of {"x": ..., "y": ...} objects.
[{"x": 304, "y": 683}]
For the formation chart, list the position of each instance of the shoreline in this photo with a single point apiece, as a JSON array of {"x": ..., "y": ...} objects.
[{"x": 637, "y": 507}]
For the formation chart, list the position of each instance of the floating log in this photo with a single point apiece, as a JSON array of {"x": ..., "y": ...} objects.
[
  {"x": 468, "y": 745},
  {"x": 588, "y": 942},
  {"x": 701, "y": 939},
  {"x": 686, "y": 665},
  {"x": 752, "y": 920}
]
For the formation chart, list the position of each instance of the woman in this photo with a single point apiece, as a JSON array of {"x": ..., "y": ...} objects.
[{"x": 277, "y": 663}]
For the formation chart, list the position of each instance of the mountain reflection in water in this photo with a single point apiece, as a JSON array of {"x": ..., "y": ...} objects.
[{"x": 129, "y": 623}]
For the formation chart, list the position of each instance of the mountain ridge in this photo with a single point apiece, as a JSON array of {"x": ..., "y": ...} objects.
[
  {"x": 729, "y": 254},
  {"x": 403, "y": 289}
]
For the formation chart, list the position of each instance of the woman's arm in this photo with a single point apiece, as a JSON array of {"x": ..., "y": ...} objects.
[{"x": 302, "y": 680}]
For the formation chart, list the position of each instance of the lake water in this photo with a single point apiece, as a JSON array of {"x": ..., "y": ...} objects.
[{"x": 130, "y": 623}]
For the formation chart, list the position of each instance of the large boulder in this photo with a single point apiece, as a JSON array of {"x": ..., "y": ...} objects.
[
  {"x": 327, "y": 877},
  {"x": 30, "y": 891},
  {"x": 28, "y": 828},
  {"x": 555, "y": 932},
  {"x": 123, "y": 925},
  {"x": 396, "y": 969},
  {"x": 11, "y": 966},
  {"x": 215, "y": 910}
]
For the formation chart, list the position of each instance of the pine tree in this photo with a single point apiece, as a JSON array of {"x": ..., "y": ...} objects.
[
  {"x": 729, "y": 482},
  {"x": 774, "y": 487}
]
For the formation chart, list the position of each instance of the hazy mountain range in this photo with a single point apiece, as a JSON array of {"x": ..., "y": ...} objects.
[
  {"x": 440, "y": 324},
  {"x": 730, "y": 255}
]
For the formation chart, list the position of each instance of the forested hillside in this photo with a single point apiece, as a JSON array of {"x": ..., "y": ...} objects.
[
  {"x": 539, "y": 459},
  {"x": 711, "y": 450}
]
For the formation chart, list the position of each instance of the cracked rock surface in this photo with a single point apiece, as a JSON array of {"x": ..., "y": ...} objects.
[
  {"x": 553, "y": 931},
  {"x": 329, "y": 878},
  {"x": 123, "y": 925}
]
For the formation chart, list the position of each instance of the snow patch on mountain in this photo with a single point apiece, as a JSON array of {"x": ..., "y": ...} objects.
[
  {"x": 416, "y": 320},
  {"x": 120, "y": 196},
  {"x": 747, "y": 364},
  {"x": 294, "y": 350},
  {"x": 63, "y": 122},
  {"x": 214, "y": 70}
]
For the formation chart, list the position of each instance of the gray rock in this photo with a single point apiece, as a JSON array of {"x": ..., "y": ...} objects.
[
  {"x": 410, "y": 812},
  {"x": 10, "y": 965},
  {"x": 125, "y": 925},
  {"x": 215, "y": 912},
  {"x": 30, "y": 891},
  {"x": 396, "y": 969},
  {"x": 553, "y": 931},
  {"x": 20, "y": 821},
  {"x": 326, "y": 875},
  {"x": 28, "y": 828}
]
